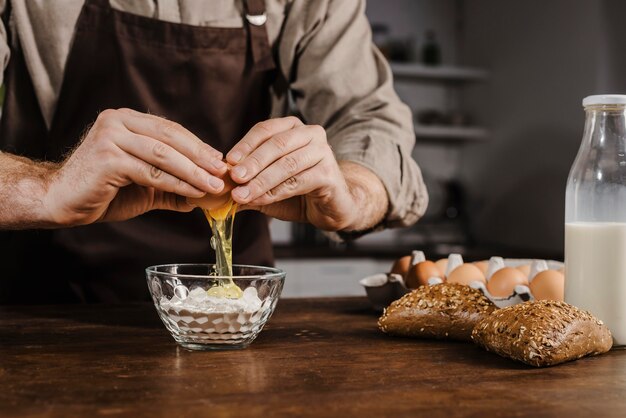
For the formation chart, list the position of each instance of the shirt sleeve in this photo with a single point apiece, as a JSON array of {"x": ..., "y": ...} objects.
[
  {"x": 5, "y": 52},
  {"x": 339, "y": 80}
]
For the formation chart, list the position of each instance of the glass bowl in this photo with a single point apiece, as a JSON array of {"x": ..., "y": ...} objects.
[{"x": 201, "y": 321}]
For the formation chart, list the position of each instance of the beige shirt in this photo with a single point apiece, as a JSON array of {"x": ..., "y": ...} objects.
[{"x": 327, "y": 64}]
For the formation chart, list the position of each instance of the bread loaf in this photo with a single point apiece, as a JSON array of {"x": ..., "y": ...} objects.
[
  {"x": 447, "y": 311},
  {"x": 542, "y": 333}
]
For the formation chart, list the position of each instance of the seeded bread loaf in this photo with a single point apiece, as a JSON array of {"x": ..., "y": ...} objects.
[
  {"x": 446, "y": 311},
  {"x": 543, "y": 333}
]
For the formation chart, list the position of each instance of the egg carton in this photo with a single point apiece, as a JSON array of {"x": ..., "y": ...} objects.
[{"x": 384, "y": 288}]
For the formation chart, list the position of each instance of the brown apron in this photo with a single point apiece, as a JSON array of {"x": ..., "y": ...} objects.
[{"x": 213, "y": 81}]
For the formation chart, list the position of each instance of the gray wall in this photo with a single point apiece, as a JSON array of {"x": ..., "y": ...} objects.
[
  {"x": 411, "y": 19},
  {"x": 545, "y": 56}
]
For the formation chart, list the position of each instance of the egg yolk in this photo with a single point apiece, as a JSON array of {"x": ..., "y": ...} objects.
[{"x": 221, "y": 213}]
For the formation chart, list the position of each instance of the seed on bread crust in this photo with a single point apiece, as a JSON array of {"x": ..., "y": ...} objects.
[
  {"x": 543, "y": 333},
  {"x": 447, "y": 311}
]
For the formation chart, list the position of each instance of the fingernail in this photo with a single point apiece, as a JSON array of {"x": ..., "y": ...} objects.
[
  {"x": 235, "y": 156},
  {"x": 216, "y": 183},
  {"x": 242, "y": 192},
  {"x": 240, "y": 171},
  {"x": 218, "y": 164}
]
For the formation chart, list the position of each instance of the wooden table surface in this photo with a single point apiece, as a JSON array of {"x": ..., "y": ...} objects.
[{"x": 316, "y": 357}]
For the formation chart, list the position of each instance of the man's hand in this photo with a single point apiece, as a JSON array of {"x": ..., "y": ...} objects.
[
  {"x": 127, "y": 164},
  {"x": 287, "y": 170}
]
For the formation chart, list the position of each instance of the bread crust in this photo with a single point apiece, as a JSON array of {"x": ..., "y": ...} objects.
[
  {"x": 443, "y": 311},
  {"x": 543, "y": 333}
]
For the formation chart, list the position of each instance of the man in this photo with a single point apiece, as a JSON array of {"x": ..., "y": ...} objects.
[{"x": 160, "y": 92}]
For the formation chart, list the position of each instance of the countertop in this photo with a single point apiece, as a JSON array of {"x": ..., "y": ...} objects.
[{"x": 316, "y": 357}]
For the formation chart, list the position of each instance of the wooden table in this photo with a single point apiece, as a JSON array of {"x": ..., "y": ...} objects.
[{"x": 320, "y": 357}]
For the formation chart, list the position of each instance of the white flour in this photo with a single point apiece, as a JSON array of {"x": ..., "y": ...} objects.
[{"x": 198, "y": 301}]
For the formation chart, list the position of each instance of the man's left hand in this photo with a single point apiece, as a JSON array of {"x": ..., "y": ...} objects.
[{"x": 287, "y": 170}]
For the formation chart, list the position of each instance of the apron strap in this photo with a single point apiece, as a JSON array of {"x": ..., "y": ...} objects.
[{"x": 256, "y": 17}]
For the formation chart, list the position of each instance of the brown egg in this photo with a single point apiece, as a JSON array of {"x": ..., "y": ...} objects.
[
  {"x": 401, "y": 266},
  {"x": 482, "y": 265},
  {"x": 561, "y": 270},
  {"x": 442, "y": 265},
  {"x": 524, "y": 268},
  {"x": 548, "y": 285},
  {"x": 215, "y": 201},
  {"x": 419, "y": 274},
  {"x": 503, "y": 282},
  {"x": 465, "y": 274},
  {"x": 209, "y": 201}
]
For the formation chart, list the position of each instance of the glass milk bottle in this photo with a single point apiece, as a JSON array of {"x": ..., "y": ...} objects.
[{"x": 595, "y": 216}]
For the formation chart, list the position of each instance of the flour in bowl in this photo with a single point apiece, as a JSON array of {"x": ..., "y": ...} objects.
[{"x": 199, "y": 301}]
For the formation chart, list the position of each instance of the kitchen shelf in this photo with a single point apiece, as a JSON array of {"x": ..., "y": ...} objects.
[
  {"x": 443, "y": 72},
  {"x": 459, "y": 133}
]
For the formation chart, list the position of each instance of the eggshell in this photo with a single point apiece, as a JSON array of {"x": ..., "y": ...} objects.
[
  {"x": 419, "y": 274},
  {"x": 548, "y": 285},
  {"x": 482, "y": 265},
  {"x": 524, "y": 268},
  {"x": 503, "y": 282},
  {"x": 209, "y": 201},
  {"x": 442, "y": 265},
  {"x": 401, "y": 266},
  {"x": 215, "y": 201},
  {"x": 465, "y": 274}
]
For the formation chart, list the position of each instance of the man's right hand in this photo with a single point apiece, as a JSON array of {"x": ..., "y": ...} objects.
[{"x": 127, "y": 164}]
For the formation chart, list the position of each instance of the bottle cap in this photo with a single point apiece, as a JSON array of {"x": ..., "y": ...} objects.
[{"x": 604, "y": 99}]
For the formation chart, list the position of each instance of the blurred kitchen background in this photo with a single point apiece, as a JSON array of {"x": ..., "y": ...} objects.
[{"x": 496, "y": 89}]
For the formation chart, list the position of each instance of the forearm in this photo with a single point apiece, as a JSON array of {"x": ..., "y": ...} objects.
[
  {"x": 23, "y": 186},
  {"x": 365, "y": 121},
  {"x": 369, "y": 195}
]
